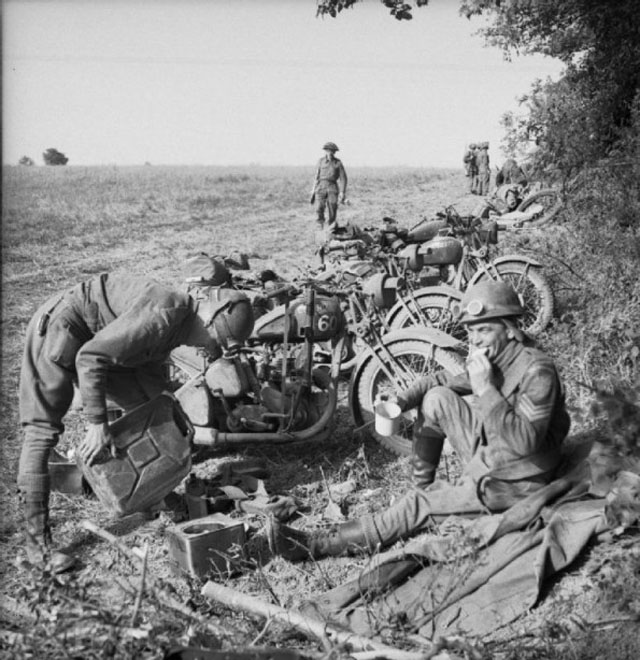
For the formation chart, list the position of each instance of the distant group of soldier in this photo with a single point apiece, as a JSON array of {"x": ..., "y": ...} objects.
[
  {"x": 477, "y": 168},
  {"x": 329, "y": 187}
]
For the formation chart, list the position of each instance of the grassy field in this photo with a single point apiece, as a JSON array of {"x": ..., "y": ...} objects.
[{"x": 62, "y": 225}]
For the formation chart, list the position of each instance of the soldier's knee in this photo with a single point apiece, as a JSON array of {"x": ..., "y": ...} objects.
[{"x": 438, "y": 402}]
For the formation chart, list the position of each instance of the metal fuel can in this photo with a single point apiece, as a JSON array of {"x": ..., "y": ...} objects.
[{"x": 153, "y": 455}]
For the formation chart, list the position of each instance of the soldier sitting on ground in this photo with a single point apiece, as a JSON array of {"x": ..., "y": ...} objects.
[
  {"x": 511, "y": 172},
  {"x": 111, "y": 336},
  {"x": 509, "y": 436}
]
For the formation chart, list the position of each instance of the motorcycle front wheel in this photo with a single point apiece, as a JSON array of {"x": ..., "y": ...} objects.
[
  {"x": 532, "y": 286},
  {"x": 439, "y": 310},
  {"x": 551, "y": 202},
  {"x": 370, "y": 379}
]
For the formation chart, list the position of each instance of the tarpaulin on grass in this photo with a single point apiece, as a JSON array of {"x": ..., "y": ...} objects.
[{"x": 482, "y": 573}]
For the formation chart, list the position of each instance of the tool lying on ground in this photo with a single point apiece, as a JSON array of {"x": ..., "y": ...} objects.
[{"x": 240, "y": 486}]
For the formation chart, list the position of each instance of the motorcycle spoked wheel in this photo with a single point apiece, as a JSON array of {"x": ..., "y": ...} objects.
[
  {"x": 439, "y": 311},
  {"x": 417, "y": 355},
  {"x": 534, "y": 288},
  {"x": 550, "y": 200},
  {"x": 358, "y": 344}
]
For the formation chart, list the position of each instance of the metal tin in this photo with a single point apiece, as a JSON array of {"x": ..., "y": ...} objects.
[
  {"x": 202, "y": 547},
  {"x": 66, "y": 477}
]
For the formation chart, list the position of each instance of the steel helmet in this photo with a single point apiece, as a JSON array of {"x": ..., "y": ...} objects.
[
  {"x": 489, "y": 300},
  {"x": 330, "y": 146},
  {"x": 228, "y": 315}
]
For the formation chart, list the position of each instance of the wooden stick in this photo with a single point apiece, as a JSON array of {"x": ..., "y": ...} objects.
[
  {"x": 236, "y": 600},
  {"x": 143, "y": 574},
  {"x": 154, "y": 586}
]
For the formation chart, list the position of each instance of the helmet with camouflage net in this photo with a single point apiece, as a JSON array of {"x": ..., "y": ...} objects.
[
  {"x": 228, "y": 316},
  {"x": 489, "y": 300},
  {"x": 330, "y": 146}
]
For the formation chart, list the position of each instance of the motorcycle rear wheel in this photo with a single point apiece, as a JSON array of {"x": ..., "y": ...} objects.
[
  {"x": 439, "y": 310},
  {"x": 417, "y": 355},
  {"x": 533, "y": 287},
  {"x": 550, "y": 200}
]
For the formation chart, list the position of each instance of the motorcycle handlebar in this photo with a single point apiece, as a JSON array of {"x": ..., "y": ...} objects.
[
  {"x": 295, "y": 290},
  {"x": 286, "y": 290}
]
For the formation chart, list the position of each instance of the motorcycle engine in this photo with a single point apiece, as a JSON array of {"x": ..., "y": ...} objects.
[{"x": 251, "y": 418}]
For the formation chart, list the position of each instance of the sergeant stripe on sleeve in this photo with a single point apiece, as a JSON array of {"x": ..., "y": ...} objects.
[{"x": 532, "y": 411}]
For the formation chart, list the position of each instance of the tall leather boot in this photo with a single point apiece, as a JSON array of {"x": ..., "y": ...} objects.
[
  {"x": 296, "y": 545},
  {"x": 38, "y": 543},
  {"x": 427, "y": 449}
]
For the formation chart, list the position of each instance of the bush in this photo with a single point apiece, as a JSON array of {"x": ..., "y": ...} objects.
[{"x": 54, "y": 157}]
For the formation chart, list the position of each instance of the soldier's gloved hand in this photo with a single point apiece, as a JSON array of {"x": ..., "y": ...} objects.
[
  {"x": 480, "y": 371},
  {"x": 95, "y": 442}
]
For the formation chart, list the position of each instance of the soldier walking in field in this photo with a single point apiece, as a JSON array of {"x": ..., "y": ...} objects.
[
  {"x": 329, "y": 187},
  {"x": 508, "y": 436},
  {"x": 110, "y": 336}
]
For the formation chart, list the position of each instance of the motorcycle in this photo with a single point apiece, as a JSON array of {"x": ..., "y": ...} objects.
[
  {"x": 458, "y": 255},
  {"x": 281, "y": 385},
  {"x": 514, "y": 206}
]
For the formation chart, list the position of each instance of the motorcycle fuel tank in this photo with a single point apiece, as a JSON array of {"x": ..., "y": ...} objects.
[
  {"x": 441, "y": 250},
  {"x": 425, "y": 231},
  {"x": 327, "y": 321}
]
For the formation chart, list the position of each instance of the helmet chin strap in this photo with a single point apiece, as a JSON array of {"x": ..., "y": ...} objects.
[{"x": 215, "y": 310}]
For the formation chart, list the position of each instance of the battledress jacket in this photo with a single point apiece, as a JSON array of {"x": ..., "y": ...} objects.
[
  {"x": 522, "y": 420},
  {"x": 122, "y": 323},
  {"x": 329, "y": 172}
]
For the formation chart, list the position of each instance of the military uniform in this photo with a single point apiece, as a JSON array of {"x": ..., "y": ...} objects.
[
  {"x": 329, "y": 174},
  {"x": 469, "y": 160},
  {"x": 484, "y": 171},
  {"x": 111, "y": 336},
  {"x": 516, "y": 427},
  {"x": 508, "y": 439}
]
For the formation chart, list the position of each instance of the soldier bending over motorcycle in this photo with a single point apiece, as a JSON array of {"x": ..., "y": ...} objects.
[
  {"x": 508, "y": 434},
  {"x": 110, "y": 336}
]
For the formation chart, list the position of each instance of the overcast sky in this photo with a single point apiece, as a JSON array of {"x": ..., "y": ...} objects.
[{"x": 231, "y": 82}]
